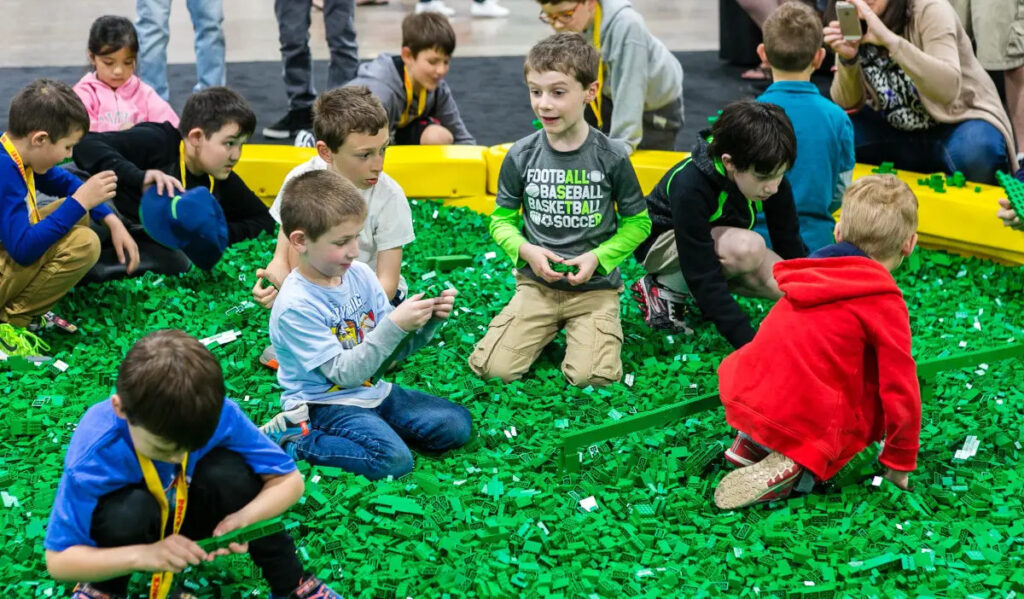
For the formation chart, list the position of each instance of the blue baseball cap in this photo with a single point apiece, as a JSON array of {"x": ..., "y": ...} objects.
[{"x": 192, "y": 222}]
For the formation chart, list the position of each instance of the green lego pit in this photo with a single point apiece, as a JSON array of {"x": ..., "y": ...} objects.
[{"x": 498, "y": 519}]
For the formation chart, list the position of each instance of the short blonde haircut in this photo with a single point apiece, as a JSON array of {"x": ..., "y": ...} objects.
[{"x": 879, "y": 215}]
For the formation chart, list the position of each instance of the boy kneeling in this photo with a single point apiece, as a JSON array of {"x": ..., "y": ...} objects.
[{"x": 839, "y": 344}]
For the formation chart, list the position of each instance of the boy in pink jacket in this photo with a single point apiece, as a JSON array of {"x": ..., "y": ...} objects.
[{"x": 113, "y": 96}]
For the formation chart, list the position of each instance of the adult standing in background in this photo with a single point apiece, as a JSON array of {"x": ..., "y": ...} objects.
[
  {"x": 922, "y": 98},
  {"x": 293, "y": 20},
  {"x": 154, "y": 31},
  {"x": 997, "y": 28}
]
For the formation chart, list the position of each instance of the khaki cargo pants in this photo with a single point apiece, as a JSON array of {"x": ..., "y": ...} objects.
[
  {"x": 531, "y": 320},
  {"x": 27, "y": 292}
]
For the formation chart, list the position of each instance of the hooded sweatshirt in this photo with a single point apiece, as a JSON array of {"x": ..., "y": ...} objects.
[
  {"x": 385, "y": 77},
  {"x": 132, "y": 103},
  {"x": 693, "y": 197},
  {"x": 830, "y": 369},
  {"x": 642, "y": 74}
]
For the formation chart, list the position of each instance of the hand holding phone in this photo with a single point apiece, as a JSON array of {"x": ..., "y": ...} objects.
[{"x": 849, "y": 21}]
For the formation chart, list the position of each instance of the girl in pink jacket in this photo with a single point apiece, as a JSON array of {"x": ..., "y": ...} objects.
[{"x": 113, "y": 96}]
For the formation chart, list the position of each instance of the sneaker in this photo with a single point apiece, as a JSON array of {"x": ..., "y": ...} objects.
[
  {"x": 770, "y": 479},
  {"x": 269, "y": 358},
  {"x": 305, "y": 139},
  {"x": 296, "y": 120},
  {"x": 435, "y": 6},
  {"x": 653, "y": 300},
  {"x": 310, "y": 587},
  {"x": 745, "y": 452},
  {"x": 51, "y": 320},
  {"x": 488, "y": 9},
  {"x": 84, "y": 590},
  {"x": 18, "y": 341}
]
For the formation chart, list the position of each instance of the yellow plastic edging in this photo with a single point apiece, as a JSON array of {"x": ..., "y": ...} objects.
[{"x": 959, "y": 220}]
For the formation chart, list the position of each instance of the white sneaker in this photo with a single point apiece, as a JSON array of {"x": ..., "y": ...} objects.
[
  {"x": 488, "y": 9},
  {"x": 305, "y": 139},
  {"x": 435, "y": 6}
]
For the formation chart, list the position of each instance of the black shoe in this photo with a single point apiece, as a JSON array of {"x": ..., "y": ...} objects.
[{"x": 296, "y": 120}]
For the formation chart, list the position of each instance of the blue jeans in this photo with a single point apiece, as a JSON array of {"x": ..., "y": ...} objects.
[
  {"x": 973, "y": 147},
  {"x": 372, "y": 441},
  {"x": 152, "y": 26}
]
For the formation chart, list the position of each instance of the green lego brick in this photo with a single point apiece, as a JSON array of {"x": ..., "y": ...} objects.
[
  {"x": 244, "y": 535},
  {"x": 886, "y": 168},
  {"x": 449, "y": 263},
  {"x": 1014, "y": 191},
  {"x": 564, "y": 268}
]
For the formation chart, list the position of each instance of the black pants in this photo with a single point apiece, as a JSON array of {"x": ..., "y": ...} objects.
[
  {"x": 221, "y": 484},
  {"x": 661, "y": 126}
]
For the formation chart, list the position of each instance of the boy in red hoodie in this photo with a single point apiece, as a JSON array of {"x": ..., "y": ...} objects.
[{"x": 839, "y": 340}]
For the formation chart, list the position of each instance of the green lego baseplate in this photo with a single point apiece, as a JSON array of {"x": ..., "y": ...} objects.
[
  {"x": 246, "y": 534},
  {"x": 1014, "y": 189}
]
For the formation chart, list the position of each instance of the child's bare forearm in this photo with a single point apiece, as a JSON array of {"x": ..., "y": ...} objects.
[
  {"x": 279, "y": 493},
  {"x": 92, "y": 564}
]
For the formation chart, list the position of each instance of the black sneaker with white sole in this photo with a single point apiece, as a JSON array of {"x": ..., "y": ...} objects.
[
  {"x": 296, "y": 120},
  {"x": 662, "y": 308}
]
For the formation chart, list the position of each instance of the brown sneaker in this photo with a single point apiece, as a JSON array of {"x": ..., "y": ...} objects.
[{"x": 770, "y": 479}]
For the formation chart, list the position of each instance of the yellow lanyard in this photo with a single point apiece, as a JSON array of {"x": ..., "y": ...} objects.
[
  {"x": 181, "y": 153},
  {"x": 26, "y": 174},
  {"x": 596, "y": 104},
  {"x": 406, "y": 117},
  {"x": 160, "y": 585}
]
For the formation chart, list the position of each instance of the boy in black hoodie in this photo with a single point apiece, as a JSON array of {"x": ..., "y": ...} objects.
[{"x": 702, "y": 212}]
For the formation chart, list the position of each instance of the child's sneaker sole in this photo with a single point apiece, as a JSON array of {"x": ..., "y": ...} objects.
[{"x": 770, "y": 479}]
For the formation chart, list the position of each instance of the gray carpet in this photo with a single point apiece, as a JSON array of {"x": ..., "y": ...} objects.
[{"x": 490, "y": 91}]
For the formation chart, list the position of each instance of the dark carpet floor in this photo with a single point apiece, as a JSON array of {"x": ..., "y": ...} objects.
[{"x": 490, "y": 91}]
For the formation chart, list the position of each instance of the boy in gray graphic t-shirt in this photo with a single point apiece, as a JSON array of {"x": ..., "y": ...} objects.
[{"x": 567, "y": 180}]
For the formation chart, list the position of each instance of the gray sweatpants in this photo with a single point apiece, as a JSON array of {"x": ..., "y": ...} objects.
[{"x": 293, "y": 33}]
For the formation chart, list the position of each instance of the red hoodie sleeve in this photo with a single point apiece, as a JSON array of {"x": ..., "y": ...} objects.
[{"x": 898, "y": 390}]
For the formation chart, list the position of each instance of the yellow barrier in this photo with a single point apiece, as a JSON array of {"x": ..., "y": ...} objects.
[{"x": 959, "y": 220}]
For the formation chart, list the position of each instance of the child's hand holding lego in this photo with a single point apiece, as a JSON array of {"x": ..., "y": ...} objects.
[
  {"x": 1009, "y": 216},
  {"x": 173, "y": 554},
  {"x": 96, "y": 190},
  {"x": 413, "y": 313},
  {"x": 229, "y": 523},
  {"x": 586, "y": 263},
  {"x": 444, "y": 303},
  {"x": 265, "y": 296},
  {"x": 165, "y": 184},
  {"x": 537, "y": 257},
  {"x": 898, "y": 478}
]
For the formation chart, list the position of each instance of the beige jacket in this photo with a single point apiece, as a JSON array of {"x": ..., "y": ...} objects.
[{"x": 936, "y": 54}]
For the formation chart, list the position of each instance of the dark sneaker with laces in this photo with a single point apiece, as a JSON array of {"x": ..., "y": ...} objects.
[
  {"x": 772, "y": 478},
  {"x": 662, "y": 309},
  {"x": 744, "y": 452},
  {"x": 310, "y": 587},
  {"x": 296, "y": 120}
]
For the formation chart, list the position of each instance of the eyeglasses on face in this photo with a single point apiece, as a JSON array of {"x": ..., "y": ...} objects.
[{"x": 562, "y": 17}]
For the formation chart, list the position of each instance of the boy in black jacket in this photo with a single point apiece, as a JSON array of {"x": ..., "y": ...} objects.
[
  {"x": 202, "y": 151},
  {"x": 702, "y": 212}
]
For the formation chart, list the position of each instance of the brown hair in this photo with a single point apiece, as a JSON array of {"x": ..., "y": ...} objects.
[
  {"x": 566, "y": 52},
  {"x": 792, "y": 36},
  {"x": 315, "y": 201},
  {"x": 48, "y": 106},
  {"x": 879, "y": 215},
  {"x": 344, "y": 110},
  {"x": 426, "y": 31},
  {"x": 212, "y": 108},
  {"x": 173, "y": 387}
]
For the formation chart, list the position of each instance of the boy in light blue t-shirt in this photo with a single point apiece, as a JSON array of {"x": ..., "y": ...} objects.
[
  {"x": 824, "y": 134},
  {"x": 333, "y": 327}
]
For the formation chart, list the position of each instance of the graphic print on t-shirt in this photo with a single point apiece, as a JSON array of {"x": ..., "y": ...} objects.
[{"x": 565, "y": 198}]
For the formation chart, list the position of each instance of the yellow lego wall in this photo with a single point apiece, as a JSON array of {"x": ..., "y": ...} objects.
[{"x": 960, "y": 220}]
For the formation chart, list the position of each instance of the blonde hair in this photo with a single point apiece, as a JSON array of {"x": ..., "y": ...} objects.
[{"x": 879, "y": 215}]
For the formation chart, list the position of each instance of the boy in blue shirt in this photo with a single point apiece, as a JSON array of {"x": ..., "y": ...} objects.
[
  {"x": 165, "y": 461},
  {"x": 45, "y": 251},
  {"x": 333, "y": 327},
  {"x": 824, "y": 134}
]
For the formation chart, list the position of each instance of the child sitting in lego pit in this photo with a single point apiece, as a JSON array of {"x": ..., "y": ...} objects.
[
  {"x": 567, "y": 196},
  {"x": 842, "y": 375},
  {"x": 420, "y": 105},
  {"x": 202, "y": 151},
  {"x": 824, "y": 134},
  {"x": 351, "y": 129},
  {"x": 333, "y": 328},
  {"x": 701, "y": 247},
  {"x": 165, "y": 461},
  {"x": 46, "y": 250},
  {"x": 114, "y": 96}
]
